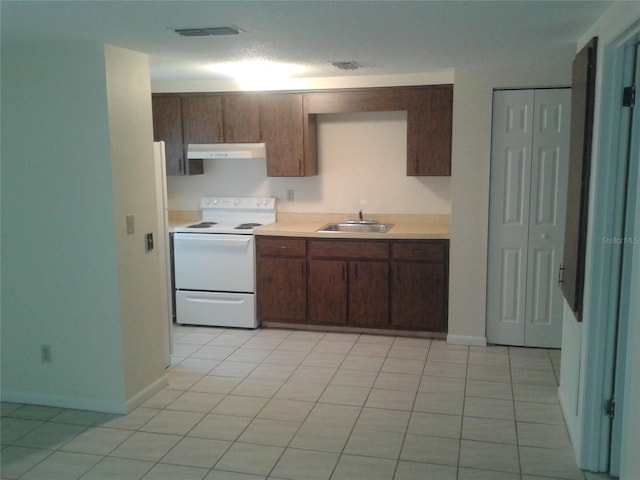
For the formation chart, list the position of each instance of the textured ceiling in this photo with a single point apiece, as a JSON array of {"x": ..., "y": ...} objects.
[{"x": 384, "y": 37}]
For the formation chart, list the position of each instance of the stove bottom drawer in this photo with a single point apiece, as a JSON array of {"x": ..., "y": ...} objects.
[{"x": 216, "y": 309}]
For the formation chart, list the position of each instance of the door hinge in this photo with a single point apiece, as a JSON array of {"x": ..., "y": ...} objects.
[
  {"x": 610, "y": 407},
  {"x": 629, "y": 96}
]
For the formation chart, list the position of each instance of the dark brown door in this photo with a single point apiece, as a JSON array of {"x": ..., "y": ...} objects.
[
  {"x": 575, "y": 237},
  {"x": 429, "y": 124},
  {"x": 202, "y": 119},
  {"x": 282, "y": 131},
  {"x": 369, "y": 294},
  {"x": 242, "y": 118},
  {"x": 327, "y": 292},
  {"x": 418, "y": 295},
  {"x": 167, "y": 127},
  {"x": 281, "y": 289}
]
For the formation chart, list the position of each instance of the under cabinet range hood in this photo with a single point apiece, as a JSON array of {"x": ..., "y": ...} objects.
[{"x": 202, "y": 151}]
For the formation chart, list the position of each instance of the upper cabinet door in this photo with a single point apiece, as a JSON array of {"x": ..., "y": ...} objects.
[
  {"x": 241, "y": 118},
  {"x": 282, "y": 127},
  {"x": 167, "y": 126},
  {"x": 429, "y": 124},
  {"x": 202, "y": 119}
]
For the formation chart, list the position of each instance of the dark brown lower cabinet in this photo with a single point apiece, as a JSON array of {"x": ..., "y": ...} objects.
[
  {"x": 349, "y": 283},
  {"x": 367, "y": 284},
  {"x": 419, "y": 286},
  {"x": 281, "y": 280},
  {"x": 327, "y": 284},
  {"x": 369, "y": 294},
  {"x": 348, "y": 293}
]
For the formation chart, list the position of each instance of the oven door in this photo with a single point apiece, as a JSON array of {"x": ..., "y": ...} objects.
[{"x": 214, "y": 262}]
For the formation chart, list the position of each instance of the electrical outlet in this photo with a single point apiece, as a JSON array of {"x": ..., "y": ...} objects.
[
  {"x": 45, "y": 353},
  {"x": 290, "y": 195}
]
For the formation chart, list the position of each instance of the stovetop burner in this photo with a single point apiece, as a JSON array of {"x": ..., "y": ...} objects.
[
  {"x": 231, "y": 215},
  {"x": 202, "y": 225},
  {"x": 247, "y": 226}
]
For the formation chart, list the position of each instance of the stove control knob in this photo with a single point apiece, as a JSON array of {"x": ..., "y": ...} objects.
[
  {"x": 266, "y": 202},
  {"x": 207, "y": 201},
  {"x": 236, "y": 201},
  {"x": 260, "y": 202},
  {"x": 215, "y": 201}
]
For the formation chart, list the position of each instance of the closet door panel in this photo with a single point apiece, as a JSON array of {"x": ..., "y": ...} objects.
[
  {"x": 529, "y": 164},
  {"x": 549, "y": 180},
  {"x": 509, "y": 215}
]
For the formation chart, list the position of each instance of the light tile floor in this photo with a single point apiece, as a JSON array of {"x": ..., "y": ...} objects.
[{"x": 295, "y": 405}]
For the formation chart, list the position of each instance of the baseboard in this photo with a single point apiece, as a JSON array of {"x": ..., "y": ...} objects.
[
  {"x": 61, "y": 401},
  {"x": 467, "y": 340},
  {"x": 146, "y": 394},
  {"x": 91, "y": 404}
]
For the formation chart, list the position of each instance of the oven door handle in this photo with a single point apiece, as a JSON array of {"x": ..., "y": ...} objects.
[{"x": 213, "y": 239}]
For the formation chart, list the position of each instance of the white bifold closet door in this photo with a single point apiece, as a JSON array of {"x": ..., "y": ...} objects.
[{"x": 529, "y": 169}]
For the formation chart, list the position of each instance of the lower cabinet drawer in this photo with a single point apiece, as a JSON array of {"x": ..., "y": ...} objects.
[
  {"x": 347, "y": 250},
  {"x": 420, "y": 251},
  {"x": 281, "y": 247}
]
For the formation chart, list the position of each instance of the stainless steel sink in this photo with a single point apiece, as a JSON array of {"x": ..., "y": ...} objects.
[{"x": 367, "y": 227}]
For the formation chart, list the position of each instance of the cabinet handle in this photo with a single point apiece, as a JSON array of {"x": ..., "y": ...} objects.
[{"x": 283, "y": 247}]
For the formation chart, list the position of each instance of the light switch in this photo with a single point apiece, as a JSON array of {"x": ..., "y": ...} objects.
[{"x": 131, "y": 228}]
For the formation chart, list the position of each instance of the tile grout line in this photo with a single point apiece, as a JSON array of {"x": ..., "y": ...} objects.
[{"x": 406, "y": 431}]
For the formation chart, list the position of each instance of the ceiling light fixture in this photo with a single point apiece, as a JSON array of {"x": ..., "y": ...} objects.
[
  {"x": 349, "y": 65},
  {"x": 258, "y": 74},
  {"x": 208, "y": 31}
]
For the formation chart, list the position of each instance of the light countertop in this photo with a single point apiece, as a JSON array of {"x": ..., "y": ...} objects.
[
  {"x": 405, "y": 226},
  {"x": 422, "y": 227}
]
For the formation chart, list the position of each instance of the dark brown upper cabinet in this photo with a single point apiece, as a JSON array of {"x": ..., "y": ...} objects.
[
  {"x": 202, "y": 119},
  {"x": 429, "y": 126},
  {"x": 168, "y": 127},
  {"x": 429, "y": 119},
  {"x": 289, "y": 137},
  {"x": 180, "y": 119},
  {"x": 287, "y": 123},
  {"x": 241, "y": 118}
]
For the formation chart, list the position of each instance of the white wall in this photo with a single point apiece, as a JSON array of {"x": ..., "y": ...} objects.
[
  {"x": 472, "y": 106},
  {"x": 362, "y": 165},
  {"x": 59, "y": 277},
  {"x": 584, "y": 358},
  {"x": 631, "y": 428},
  {"x": 68, "y": 276},
  {"x": 139, "y": 272}
]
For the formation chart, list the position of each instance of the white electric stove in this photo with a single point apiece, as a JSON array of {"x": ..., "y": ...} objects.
[{"x": 215, "y": 262}]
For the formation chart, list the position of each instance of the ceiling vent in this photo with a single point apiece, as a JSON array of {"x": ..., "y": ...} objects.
[
  {"x": 208, "y": 31},
  {"x": 346, "y": 65}
]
